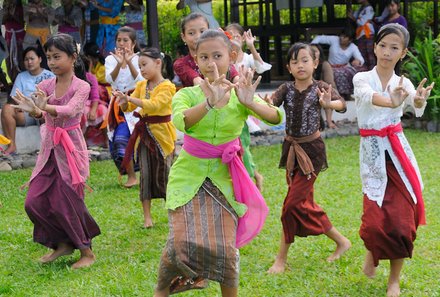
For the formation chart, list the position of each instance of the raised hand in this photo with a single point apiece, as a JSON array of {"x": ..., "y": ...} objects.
[
  {"x": 249, "y": 38},
  {"x": 325, "y": 96},
  {"x": 129, "y": 54},
  {"x": 121, "y": 98},
  {"x": 399, "y": 93},
  {"x": 245, "y": 89},
  {"x": 118, "y": 55},
  {"x": 40, "y": 98},
  {"x": 422, "y": 93},
  {"x": 216, "y": 90},
  {"x": 23, "y": 102}
]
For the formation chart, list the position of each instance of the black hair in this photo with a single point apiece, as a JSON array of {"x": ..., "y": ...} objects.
[
  {"x": 167, "y": 62},
  {"x": 212, "y": 34},
  {"x": 37, "y": 51},
  {"x": 235, "y": 26},
  {"x": 394, "y": 1},
  {"x": 80, "y": 69},
  {"x": 397, "y": 29},
  {"x": 318, "y": 71},
  {"x": 92, "y": 49},
  {"x": 62, "y": 42},
  {"x": 131, "y": 33},
  {"x": 348, "y": 32},
  {"x": 191, "y": 17},
  {"x": 293, "y": 51}
]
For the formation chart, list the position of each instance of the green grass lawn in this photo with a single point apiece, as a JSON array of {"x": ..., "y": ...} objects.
[{"x": 128, "y": 256}]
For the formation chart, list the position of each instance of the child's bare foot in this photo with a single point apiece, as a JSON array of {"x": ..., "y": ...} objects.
[
  {"x": 341, "y": 248},
  {"x": 148, "y": 223},
  {"x": 369, "y": 269},
  {"x": 87, "y": 259},
  {"x": 393, "y": 289},
  {"x": 131, "y": 183},
  {"x": 84, "y": 261},
  {"x": 278, "y": 267},
  {"x": 62, "y": 250},
  {"x": 259, "y": 180}
]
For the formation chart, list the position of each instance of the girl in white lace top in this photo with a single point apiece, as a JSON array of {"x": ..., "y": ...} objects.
[{"x": 391, "y": 182}]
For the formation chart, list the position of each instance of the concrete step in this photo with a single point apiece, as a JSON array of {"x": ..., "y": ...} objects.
[{"x": 27, "y": 139}]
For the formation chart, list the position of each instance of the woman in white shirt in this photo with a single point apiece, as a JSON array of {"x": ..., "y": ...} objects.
[
  {"x": 345, "y": 59},
  {"x": 122, "y": 73}
]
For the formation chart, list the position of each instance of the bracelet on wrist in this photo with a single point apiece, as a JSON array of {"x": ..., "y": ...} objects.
[{"x": 208, "y": 105}]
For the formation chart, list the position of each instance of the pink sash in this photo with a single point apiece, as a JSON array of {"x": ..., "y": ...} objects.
[
  {"x": 245, "y": 190},
  {"x": 60, "y": 135},
  {"x": 391, "y": 132}
]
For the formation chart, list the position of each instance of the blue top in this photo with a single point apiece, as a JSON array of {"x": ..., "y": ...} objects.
[{"x": 26, "y": 82}]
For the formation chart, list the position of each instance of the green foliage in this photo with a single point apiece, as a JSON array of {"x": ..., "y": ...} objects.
[
  {"x": 128, "y": 255},
  {"x": 424, "y": 62}
]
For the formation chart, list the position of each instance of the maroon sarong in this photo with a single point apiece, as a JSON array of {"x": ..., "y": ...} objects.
[
  {"x": 301, "y": 216},
  {"x": 389, "y": 231},
  {"x": 58, "y": 212}
]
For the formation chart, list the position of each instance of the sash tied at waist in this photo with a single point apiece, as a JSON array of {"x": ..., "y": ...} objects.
[
  {"x": 60, "y": 135},
  {"x": 140, "y": 130},
  {"x": 410, "y": 172},
  {"x": 245, "y": 191},
  {"x": 296, "y": 152}
]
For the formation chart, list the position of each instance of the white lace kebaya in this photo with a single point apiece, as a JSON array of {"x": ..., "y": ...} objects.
[{"x": 372, "y": 148}]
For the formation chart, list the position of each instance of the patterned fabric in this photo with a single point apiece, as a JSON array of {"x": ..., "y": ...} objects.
[
  {"x": 201, "y": 243},
  {"x": 133, "y": 16},
  {"x": 303, "y": 114},
  {"x": 344, "y": 78},
  {"x": 389, "y": 231},
  {"x": 154, "y": 170}
]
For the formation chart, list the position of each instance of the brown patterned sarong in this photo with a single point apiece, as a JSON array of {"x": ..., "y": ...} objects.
[
  {"x": 201, "y": 243},
  {"x": 389, "y": 231},
  {"x": 154, "y": 172}
]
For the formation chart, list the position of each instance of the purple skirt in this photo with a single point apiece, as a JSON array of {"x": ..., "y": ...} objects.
[{"x": 58, "y": 213}]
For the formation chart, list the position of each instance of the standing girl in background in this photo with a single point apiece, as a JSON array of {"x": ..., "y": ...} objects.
[
  {"x": 303, "y": 153},
  {"x": 68, "y": 17},
  {"x": 249, "y": 61},
  {"x": 13, "y": 20},
  {"x": 134, "y": 18},
  {"x": 109, "y": 11},
  {"x": 363, "y": 20},
  {"x": 55, "y": 200},
  {"x": 155, "y": 131},
  {"x": 122, "y": 73},
  {"x": 95, "y": 110},
  {"x": 192, "y": 26},
  {"x": 391, "y": 183},
  {"x": 199, "y": 190},
  {"x": 38, "y": 16}
]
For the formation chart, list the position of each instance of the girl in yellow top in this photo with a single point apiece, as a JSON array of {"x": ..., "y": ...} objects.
[{"x": 154, "y": 134}]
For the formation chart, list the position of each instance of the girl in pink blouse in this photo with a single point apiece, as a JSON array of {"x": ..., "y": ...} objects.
[{"x": 55, "y": 200}]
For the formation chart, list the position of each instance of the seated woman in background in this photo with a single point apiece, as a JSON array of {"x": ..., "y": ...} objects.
[
  {"x": 324, "y": 72},
  {"x": 345, "y": 59},
  {"x": 25, "y": 82}
]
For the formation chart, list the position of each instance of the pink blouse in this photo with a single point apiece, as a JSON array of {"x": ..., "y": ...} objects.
[{"x": 69, "y": 108}]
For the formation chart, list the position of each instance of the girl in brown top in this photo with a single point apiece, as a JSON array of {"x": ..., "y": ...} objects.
[{"x": 303, "y": 153}]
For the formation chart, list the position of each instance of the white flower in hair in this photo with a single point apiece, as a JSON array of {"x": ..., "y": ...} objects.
[{"x": 78, "y": 48}]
